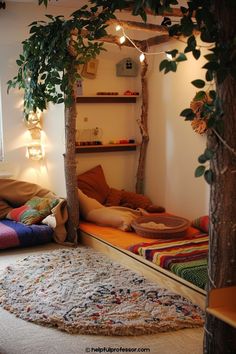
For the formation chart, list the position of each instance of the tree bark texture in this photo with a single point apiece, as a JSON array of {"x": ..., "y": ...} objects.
[
  {"x": 70, "y": 173},
  {"x": 143, "y": 126},
  {"x": 220, "y": 337}
]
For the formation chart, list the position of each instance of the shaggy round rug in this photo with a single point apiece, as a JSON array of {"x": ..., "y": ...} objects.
[{"x": 82, "y": 291}]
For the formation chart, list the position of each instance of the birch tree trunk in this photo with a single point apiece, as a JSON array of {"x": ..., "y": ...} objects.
[
  {"x": 70, "y": 172},
  {"x": 220, "y": 337},
  {"x": 143, "y": 126}
]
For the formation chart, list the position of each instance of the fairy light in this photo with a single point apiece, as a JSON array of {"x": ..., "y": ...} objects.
[
  {"x": 143, "y": 54},
  {"x": 118, "y": 28},
  {"x": 122, "y": 39},
  {"x": 169, "y": 56},
  {"x": 142, "y": 57}
]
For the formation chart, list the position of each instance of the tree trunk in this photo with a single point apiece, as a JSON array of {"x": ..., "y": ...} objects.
[
  {"x": 70, "y": 172},
  {"x": 143, "y": 126},
  {"x": 220, "y": 337}
]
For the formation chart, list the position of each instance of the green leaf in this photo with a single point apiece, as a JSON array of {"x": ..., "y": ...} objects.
[
  {"x": 212, "y": 94},
  {"x": 196, "y": 53},
  {"x": 174, "y": 30},
  {"x": 210, "y": 57},
  {"x": 200, "y": 95},
  {"x": 199, "y": 171},
  {"x": 183, "y": 9},
  {"x": 186, "y": 25},
  {"x": 163, "y": 64},
  {"x": 181, "y": 57},
  {"x": 173, "y": 66},
  {"x": 188, "y": 114},
  {"x": 209, "y": 176},
  {"x": 173, "y": 52},
  {"x": 19, "y": 62},
  {"x": 208, "y": 153},
  {"x": 209, "y": 75},
  {"x": 198, "y": 83},
  {"x": 211, "y": 65},
  {"x": 202, "y": 158}
]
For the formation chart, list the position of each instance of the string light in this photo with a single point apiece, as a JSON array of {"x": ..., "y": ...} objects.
[
  {"x": 122, "y": 39},
  {"x": 142, "y": 57},
  {"x": 143, "y": 54},
  {"x": 118, "y": 28},
  {"x": 169, "y": 56}
]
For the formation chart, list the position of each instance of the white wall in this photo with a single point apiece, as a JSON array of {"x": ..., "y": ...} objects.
[
  {"x": 14, "y": 29},
  {"x": 174, "y": 147},
  {"x": 116, "y": 121}
]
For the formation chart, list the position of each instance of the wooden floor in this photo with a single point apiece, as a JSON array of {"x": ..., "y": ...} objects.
[{"x": 21, "y": 337}]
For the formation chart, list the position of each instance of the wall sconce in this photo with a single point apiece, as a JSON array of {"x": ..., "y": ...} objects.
[{"x": 35, "y": 149}]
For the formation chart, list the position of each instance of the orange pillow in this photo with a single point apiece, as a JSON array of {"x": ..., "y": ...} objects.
[{"x": 93, "y": 184}]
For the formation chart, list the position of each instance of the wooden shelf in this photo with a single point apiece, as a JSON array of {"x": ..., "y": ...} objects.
[
  {"x": 107, "y": 99},
  {"x": 222, "y": 304},
  {"x": 105, "y": 148}
]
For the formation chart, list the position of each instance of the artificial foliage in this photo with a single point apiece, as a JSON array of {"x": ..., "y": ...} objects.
[{"x": 51, "y": 53}]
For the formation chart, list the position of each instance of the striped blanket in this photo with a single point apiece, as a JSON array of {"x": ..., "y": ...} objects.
[
  {"x": 15, "y": 234},
  {"x": 185, "y": 257}
]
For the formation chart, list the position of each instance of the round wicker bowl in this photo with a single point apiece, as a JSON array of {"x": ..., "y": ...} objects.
[{"x": 158, "y": 226}]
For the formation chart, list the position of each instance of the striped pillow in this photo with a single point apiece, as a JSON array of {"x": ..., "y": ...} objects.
[{"x": 201, "y": 223}]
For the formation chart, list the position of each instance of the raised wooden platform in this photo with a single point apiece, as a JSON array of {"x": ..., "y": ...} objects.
[{"x": 149, "y": 270}]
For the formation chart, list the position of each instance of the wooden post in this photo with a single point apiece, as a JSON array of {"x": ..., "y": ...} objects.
[
  {"x": 143, "y": 126},
  {"x": 70, "y": 171}
]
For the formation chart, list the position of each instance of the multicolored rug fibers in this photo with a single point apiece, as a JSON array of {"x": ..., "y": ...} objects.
[{"x": 82, "y": 291}]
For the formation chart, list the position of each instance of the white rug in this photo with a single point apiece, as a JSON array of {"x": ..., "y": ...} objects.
[{"x": 82, "y": 291}]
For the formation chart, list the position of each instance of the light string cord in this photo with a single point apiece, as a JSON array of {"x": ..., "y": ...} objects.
[{"x": 136, "y": 47}]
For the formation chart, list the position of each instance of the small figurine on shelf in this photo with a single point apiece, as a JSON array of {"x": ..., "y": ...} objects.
[{"x": 131, "y": 93}]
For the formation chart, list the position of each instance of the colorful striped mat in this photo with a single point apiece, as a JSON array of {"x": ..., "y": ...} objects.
[{"x": 186, "y": 258}]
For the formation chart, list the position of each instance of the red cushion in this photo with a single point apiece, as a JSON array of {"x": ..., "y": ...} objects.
[{"x": 93, "y": 184}]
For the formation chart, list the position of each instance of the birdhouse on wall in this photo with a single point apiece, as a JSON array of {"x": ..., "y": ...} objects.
[{"x": 127, "y": 67}]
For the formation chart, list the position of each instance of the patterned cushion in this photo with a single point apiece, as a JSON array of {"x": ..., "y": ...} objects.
[
  {"x": 201, "y": 223},
  {"x": 33, "y": 211}
]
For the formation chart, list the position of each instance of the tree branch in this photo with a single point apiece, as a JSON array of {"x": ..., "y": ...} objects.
[
  {"x": 175, "y": 12},
  {"x": 224, "y": 142},
  {"x": 133, "y": 25}
]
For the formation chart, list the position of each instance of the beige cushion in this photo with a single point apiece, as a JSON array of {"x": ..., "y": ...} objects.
[
  {"x": 86, "y": 204},
  {"x": 93, "y": 211},
  {"x": 110, "y": 217}
]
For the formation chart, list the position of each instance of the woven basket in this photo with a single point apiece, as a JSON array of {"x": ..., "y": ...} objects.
[{"x": 174, "y": 226}]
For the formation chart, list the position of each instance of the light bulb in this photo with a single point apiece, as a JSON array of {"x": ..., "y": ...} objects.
[
  {"x": 169, "y": 56},
  {"x": 142, "y": 57},
  {"x": 118, "y": 28},
  {"x": 122, "y": 39}
]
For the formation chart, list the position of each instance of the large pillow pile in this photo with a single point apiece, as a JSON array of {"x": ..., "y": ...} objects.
[
  {"x": 94, "y": 185},
  {"x": 33, "y": 211},
  {"x": 93, "y": 211}
]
